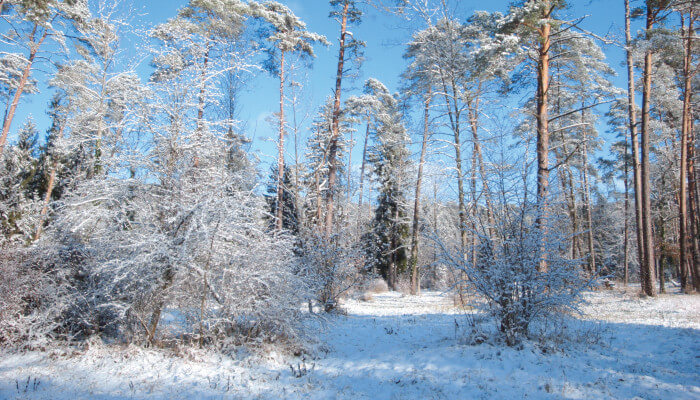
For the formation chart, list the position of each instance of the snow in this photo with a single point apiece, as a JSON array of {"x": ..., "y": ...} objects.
[{"x": 402, "y": 347}]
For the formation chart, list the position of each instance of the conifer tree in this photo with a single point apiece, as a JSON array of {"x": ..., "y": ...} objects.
[{"x": 390, "y": 159}]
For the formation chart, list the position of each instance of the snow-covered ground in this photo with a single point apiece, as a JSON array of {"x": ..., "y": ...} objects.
[{"x": 402, "y": 347}]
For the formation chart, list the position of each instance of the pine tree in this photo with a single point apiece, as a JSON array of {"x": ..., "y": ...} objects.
[
  {"x": 288, "y": 35},
  {"x": 317, "y": 153},
  {"x": 347, "y": 13},
  {"x": 33, "y": 22},
  {"x": 390, "y": 160}
]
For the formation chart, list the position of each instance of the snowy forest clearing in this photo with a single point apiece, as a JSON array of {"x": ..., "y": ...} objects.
[{"x": 403, "y": 347}]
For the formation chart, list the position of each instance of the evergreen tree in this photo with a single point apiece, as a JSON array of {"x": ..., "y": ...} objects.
[
  {"x": 18, "y": 192},
  {"x": 317, "y": 153},
  {"x": 390, "y": 160}
]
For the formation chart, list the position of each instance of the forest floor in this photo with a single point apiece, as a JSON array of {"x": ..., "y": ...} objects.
[{"x": 403, "y": 347}]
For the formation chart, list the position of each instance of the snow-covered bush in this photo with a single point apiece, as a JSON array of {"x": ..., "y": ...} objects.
[
  {"x": 333, "y": 267},
  {"x": 510, "y": 275},
  {"x": 132, "y": 253},
  {"x": 18, "y": 180},
  {"x": 30, "y": 300}
]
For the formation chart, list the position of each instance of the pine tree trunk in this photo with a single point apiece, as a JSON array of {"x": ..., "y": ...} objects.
[
  {"x": 693, "y": 211},
  {"x": 647, "y": 270},
  {"x": 369, "y": 198},
  {"x": 335, "y": 127},
  {"x": 566, "y": 181},
  {"x": 473, "y": 211},
  {"x": 627, "y": 207},
  {"x": 636, "y": 167},
  {"x": 280, "y": 152},
  {"x": 297, "y": 199},
  {"x": 543, "y": 132},
  {"x": 10, "y": 113},
  {"x": 684, "y": 266},
  {"x": 415, "y": 278}
]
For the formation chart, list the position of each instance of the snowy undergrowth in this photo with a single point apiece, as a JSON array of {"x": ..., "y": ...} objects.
[{"x": 402, "y": 347}]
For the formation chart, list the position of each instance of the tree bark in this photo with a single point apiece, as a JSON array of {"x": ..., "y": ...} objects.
[
  {"x": 647, "y": 270},
  {"x": 10, "y": 114},
  {"x": 335, "y": 126},
  {"x": 543, "y": 131},
  {"x": 684, "y": 260},
  {"x": 415, "y": 278},
  {"x": 632, "y": 112},
  {"x": 694, "y": 211},
  {"x": 627, "y": 207}
]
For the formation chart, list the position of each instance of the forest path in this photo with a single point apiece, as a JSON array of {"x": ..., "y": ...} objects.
[{"x": 415, "y": 347}]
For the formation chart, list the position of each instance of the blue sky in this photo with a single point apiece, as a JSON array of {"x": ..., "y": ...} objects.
[{"x": 385, "y": 36}]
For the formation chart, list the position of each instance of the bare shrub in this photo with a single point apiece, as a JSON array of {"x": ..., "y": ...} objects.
[
  {"x": 29, "y": 301},
  {"x": 331, "y": 267},
  {"x": 509, "y": 274},
  {"x": 200, "y": 257}
]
